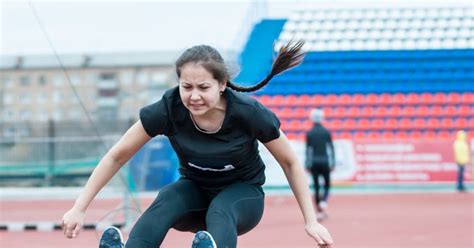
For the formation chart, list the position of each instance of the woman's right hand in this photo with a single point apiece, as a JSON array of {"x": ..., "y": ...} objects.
[{"x": 72, "y": 222}]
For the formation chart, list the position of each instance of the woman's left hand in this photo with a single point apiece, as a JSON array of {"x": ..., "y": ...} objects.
[{"x": 319, "y": 233}]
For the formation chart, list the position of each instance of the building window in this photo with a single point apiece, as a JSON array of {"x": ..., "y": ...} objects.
[
  {"x": 57, "y": 115},
  {"x": 7, "y": 81},
  {"x": 58, "y": 80},
  {"x": 42, "y": 80},
  {"x": 8, "y": 98},
  {"x": 9, "y": 115},
  {"x": 24, "y": 80},
  {"x": 75, "y": 79},
  {"x": 42, "y": 116},
  {"x": 126, "y": 77},
  {"x": 42, "y": 97},
  {"x": 25, "y": 115},
  {"x": 25, "y": 98},
  {"x": 57, "y": 97},
  {"x": 142, "y": 77}
]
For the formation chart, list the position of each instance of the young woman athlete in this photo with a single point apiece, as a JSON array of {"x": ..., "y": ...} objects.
[{"x": 214, "y": 130}]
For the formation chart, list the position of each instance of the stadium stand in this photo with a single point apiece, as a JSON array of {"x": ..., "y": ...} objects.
[{"x": 377, "y": 72}]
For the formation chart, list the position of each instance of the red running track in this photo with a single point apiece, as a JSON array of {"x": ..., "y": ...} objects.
[{"x": 434, "y": 220}]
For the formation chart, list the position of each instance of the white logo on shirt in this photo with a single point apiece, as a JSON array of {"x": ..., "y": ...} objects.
[{"x": 226, "y": 167}]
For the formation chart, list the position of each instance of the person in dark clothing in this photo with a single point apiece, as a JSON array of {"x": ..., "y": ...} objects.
[
  {"x": 320, "y": 159},
  {"x": 215, "y": 132}
]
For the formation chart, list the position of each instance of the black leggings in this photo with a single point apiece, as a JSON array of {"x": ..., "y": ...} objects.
[
  {"x": 316, "y": 171},
  {"x": 184, "y": 206}
]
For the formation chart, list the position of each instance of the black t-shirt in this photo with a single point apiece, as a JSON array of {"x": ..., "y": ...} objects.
[{"x": 215, "y": 160}]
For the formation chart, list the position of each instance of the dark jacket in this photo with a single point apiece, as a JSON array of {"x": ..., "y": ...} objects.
[{"x": 319, "y": 147}]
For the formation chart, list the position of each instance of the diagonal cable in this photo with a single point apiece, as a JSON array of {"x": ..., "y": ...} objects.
[{"x": 76, "y": 94}]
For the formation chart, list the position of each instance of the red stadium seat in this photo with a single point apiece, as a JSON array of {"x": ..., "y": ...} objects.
[
  {"x": 359, "y": 135},
  {"x": 422, "y": 111},
  {"x": 301, "y": 113},
  {"x": 332, "y": 99},
  {"x": 291, "y": 135},
  {"x": 377, "y": 124},
  {"x": 307, "y": 125},
  {"x": 371, "y": 99},
  {"x": 286, "y": 113},
  {"x": 385, "y": 99},
  {"x": 373, "y": 135},
  {"x": 447, "y": 123},
  {"x": 466, "y": 111},
  {"x": 388, "y": 135},
  {"x": 430, "y": 135},
  {"x": 381, "y": 112},
  {"x": 467, "y": 98},
  {"x": 439, "y": 98},
  {"x": 426, "y": 98},
  {"x": 284, "y": 124},
  {"x": 391, "y": 124},
  {"x": 450, "y": 110},
  {"x": 265, "y": 100},
  {"x": 353, "y": 112},
  {"x": 345, "y": 99},
  {"x": 445, "y": 135},
  {"x": 433, "y": 123},
  {"x": 358, "y": 99},
  {"x": 461, "y": 123},
  {"x": 338, "y": 112},
  {"x": 394, "y": 111},
  {"x": 405, "y": 123},
  {"x": 412, "y": 98},
  {"x": 402, "y": 135},
  {"x": 345, "y": 135},
  {"x": 419, "y": 123},
  {"x": 304, "y": 100},
  {"x": 335, "y": 124},
  {"x": 278, "y": 100},
  {"x": 454, "y": 98},
  {"x": 291, "y": 100},
  {"x": 317, "y": 100},
  {"x": 437, "y": 111},
  {"x": 408, "y": 111},
  {"x": 398, "y": 98},
  {"x": 416, "y": 134},
  {"x": 294, "y": 126},
  {"x": 363, "y": 124},
  {"x": 349, "y": 124},
  {"x": 367, "y": 111}
]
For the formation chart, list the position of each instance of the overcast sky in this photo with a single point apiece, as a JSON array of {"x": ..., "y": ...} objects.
[
  {"x": 80, "y": 26},
  {"x": 121, "y": 26}
]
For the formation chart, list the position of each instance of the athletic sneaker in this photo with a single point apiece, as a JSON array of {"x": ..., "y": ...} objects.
[
  {"x": 203, "y": 239},
  {"x": 323, "y": 205},
  {"x": 111, "y": 238}
]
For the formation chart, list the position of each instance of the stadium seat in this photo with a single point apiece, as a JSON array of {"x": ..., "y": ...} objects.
[
  {"x": 412, "y": 98},
  {"x": 439, "y": 98},
  {"x": 358, "y": 99},
  {"x": 461, "y": 123},
  {"x": 385, "y": 99},
  {"x": 345, "y": 99},
  {"x": 278, "y": 100},
  {"x": 467, "y": 98},
  {"x": 466, "y": 111},
  {"x": 388, "y": 135},
  {"x": 454, "y": 98},
  {"x": 317, "y": 100},
  {"x": 426, "y": 98},
  {"x": 405, "y": 123},
  {"x": 398, "y": 98}
]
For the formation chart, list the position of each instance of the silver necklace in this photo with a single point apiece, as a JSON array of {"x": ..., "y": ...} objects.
[{"x": 202, "y": 130}]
